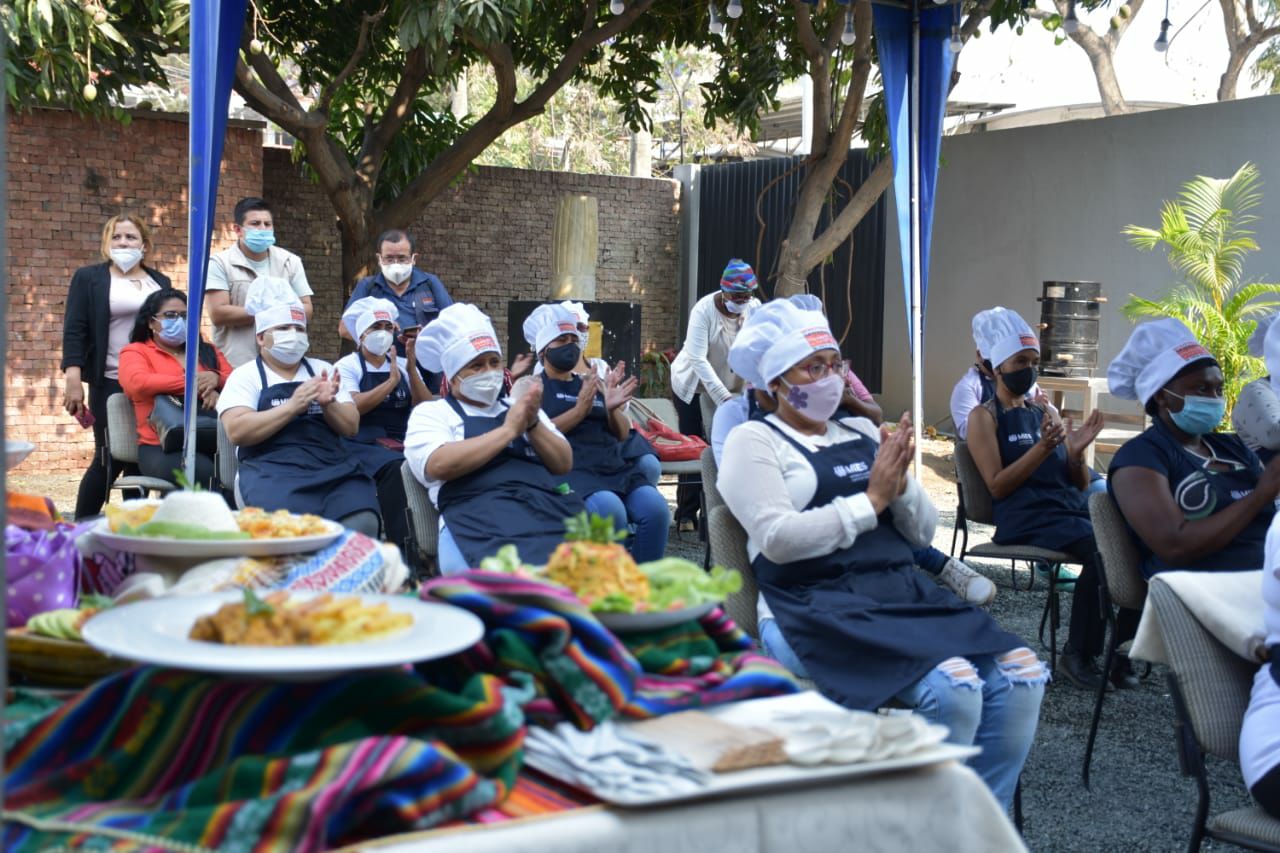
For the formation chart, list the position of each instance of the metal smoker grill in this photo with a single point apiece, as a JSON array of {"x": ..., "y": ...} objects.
[{"x": 1069, "y": 315}]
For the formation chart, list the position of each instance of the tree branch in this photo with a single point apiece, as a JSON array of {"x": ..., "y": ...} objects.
[
  {"x": 357, "y": 56},
  {"x": 399, "y": 108},
  {"x": 842, "y": 226}
]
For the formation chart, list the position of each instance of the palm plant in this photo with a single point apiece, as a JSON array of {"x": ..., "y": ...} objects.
[{"x": 1207, "y": 234}]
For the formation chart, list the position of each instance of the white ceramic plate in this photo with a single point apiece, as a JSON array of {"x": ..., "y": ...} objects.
[
  {"x": 15, "y": 452},
  {"x": 628, "y": 623},
  {"x": 204, "y": 549},
  {"x": 156, "y": 632}
]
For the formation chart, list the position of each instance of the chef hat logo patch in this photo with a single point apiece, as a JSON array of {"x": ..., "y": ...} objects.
[
  {"x": 381, "y": 317},
  {"x": 483, "y": 342},
  {"x": 1191, "y": 350},
  {"x": 1028, "y": 341},
  {"x": 567, "y": 327},
  {"x": 297, "y": 315},
  {"x": 819, "y": 338}
]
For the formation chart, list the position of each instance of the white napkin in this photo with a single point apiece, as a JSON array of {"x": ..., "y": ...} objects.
[
  {"x": 1228, "y": 604},
  {"x": 609, "y": 762},
  {"x": 848, "y": 737}
]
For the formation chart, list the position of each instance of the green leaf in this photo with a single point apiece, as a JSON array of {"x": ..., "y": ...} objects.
[
  {"x": 45, "y": 10},
  {"x": 255, "y": 606}
]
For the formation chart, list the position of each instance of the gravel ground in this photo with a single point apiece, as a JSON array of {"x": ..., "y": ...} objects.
[{"x": 1139, "y": 798}]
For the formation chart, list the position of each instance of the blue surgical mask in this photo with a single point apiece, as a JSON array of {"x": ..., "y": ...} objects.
[
  {"x": 1199, "y": 415},
  {"x": 173, "y": 331},
  {"x": 259, "y": 239}
]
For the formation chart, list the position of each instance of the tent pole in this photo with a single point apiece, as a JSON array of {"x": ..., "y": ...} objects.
[{"x": 917, "y": 308}]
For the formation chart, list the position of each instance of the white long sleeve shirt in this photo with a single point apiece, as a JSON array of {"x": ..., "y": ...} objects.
[
  {"x": 767, "y": 482},
  {"x": 703, "y": 362},
  {"x": 1256, "y": 416}
]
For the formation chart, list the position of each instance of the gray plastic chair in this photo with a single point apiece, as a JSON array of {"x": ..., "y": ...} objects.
[
  {"x": 424, "y": 524},
  {"x": 226, "y": 464},
  {"x": 1121, "y": 585},
  {"x": 122, "y": 446},
  {"x": 976, "y": 505},
  {"x": 711, "y": 497},
  {"x": 729, "y": 549},
  {"x": 1210, "y": 687}
]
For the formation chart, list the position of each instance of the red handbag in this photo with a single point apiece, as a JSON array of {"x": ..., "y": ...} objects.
[{"x": 668, "y": 443}]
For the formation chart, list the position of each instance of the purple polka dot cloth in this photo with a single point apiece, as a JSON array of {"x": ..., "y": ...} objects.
[{"x": 43, "y": 571}]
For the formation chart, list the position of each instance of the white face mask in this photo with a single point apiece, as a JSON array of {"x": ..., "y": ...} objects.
[
  {"x": 288, "y": 345},
  {"x": 379, "y": 342},
  {"x": 126, "y": 259},
  {"x": 482, "y": 387},
  {"x": 734, "y": 307},
  {"x": 397, "y": 273}
]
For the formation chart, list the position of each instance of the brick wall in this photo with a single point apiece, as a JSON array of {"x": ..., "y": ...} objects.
[
  {"x": 67, "y": 176},
  {"x": 489, "y": 240}
]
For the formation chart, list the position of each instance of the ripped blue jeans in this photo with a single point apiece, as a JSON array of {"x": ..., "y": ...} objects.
[{"x": 990, "y": 701}]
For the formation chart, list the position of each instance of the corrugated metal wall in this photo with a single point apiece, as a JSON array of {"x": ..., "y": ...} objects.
[{"x": 851, "y": 285}]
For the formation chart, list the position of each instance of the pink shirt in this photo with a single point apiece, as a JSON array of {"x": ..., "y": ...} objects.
[{"x": 127, "y": 296}]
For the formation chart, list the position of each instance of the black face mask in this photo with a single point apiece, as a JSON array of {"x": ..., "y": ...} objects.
[
  {"x": 1019, "y": 382},
  {"x": 564, "y": 357}
]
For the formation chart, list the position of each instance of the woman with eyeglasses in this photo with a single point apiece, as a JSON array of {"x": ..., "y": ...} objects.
[
  {"x": 702, "y": 366},
  {"x": 1194, "y": 497},
  {"x": 101, "y": 305},
  {"x": 154, "y": 363},
  {"x": 1033, "y": 465},
  {"x": 832, "y": 518}
]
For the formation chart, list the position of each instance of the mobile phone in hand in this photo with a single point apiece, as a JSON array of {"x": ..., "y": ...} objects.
[{"x": 85, "y": 417}]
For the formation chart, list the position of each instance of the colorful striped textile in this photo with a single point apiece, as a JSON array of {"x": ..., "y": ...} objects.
[
  {"x": 184, "y": 761},
  {"x": 581, "y": 672}
]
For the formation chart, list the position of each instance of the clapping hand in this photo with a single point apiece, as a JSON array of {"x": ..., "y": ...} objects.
[
  {"x": 523, "y": 413},
  {"x": 305, "y": 394},
  {"x": 1052, "y": 431},
  {"x": 587, "y": 393},
  {"x": 327, "y": 387},
  {"x": 522, "y": 365},
  {"x": 1080, "y": 438},
  {"x": 889, "y": 471},
  {"x": 618, "y": 388}
]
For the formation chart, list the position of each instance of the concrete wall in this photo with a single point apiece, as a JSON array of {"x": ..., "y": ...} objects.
[{"x": 1018, "y": 207}]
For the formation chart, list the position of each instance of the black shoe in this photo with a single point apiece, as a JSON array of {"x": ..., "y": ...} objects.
[
  {"x": 1080, "y": 670},
  {"x": 1122, "y": 676}
]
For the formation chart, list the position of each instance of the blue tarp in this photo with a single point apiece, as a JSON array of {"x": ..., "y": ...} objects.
[
  {"x": 893, "y": 44},
  {"x": 215, "y": 41}
]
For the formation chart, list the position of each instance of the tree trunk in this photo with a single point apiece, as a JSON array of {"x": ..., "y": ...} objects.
[
  {"x": 1104, "y": 71},
  {"x": 358, "y": 255},
  {"x": 1231, "y": 77}
]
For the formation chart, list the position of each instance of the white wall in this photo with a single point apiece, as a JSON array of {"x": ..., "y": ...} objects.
[{"x": 1018, "y": 207}]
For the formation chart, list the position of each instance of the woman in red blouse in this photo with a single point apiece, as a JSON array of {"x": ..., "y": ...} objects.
[{"x": 154, "y": 363}]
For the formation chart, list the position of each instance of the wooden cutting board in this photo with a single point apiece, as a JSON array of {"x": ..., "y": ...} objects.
[{"x": 712, "y": 744}]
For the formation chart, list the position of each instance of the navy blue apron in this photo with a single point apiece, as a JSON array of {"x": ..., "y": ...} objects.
[
  {"x": 599, "y": 463},
  {"x": 1047, "y": 510},
  {"x": 388, "y": 419},
  {"x": 512, "y": 498},
  {"x": 303, "y": 467},
  {"x": 863, "y": 620}
]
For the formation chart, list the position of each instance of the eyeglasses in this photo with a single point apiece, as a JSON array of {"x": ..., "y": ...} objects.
[
  {"x": 174, "y": 315},
  {"x": 821, "y": 369},
  {"x": 737, "y": 297}
]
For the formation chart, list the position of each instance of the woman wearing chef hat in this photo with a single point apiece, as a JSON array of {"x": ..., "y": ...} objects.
[
  {"x": 1256, "y": 414},
  {"x": 591, "y": 414},
  {"x": 1196, "y": 498},
  {"x": 832, "y": 517},
  {"x": 286, "y": 415},
  {"x": 494, "y": 467},
  {"x": 1033, "y": 464},
  {"x": 384, "y": 391}
]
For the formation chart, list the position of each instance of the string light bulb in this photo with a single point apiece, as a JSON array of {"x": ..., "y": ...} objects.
[
  {"x": 848, "y": 37},
  {"x": 1071, "y": 23},
  {"x": 956, "y": 44},
  {"x": 1162, "y": 40},
  {"x": 617, "y": 7},
  {"x": 717, "y": 25},
  {"x": 734, "y": 9}
]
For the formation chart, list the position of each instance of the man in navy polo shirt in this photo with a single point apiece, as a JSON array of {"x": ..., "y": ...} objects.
[{"x": 419, "y": 296}]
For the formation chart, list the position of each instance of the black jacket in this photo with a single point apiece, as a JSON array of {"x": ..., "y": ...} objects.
[{"x": 88, "y": 315}]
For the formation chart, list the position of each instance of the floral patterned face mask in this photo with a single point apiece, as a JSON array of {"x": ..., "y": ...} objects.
[{"x": 818, "y": 400}]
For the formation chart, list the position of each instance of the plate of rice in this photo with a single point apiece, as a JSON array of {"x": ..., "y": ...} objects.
[{"x": 200, "y": 525}]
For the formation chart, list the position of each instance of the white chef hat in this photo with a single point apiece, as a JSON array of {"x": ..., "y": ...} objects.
[
  {"x": 1001, "y": 334},
  {"x": 1154, "y": 354},
  {"x": 579, "y": 310},
  {"x": 548, "y": 322},
  {"x": 366, "y": 311},
  {"x": 1257, "y": 341},
  {"x": 457, "y": 335},
  {"x": 272, "y": 302},
  {"x": 776, "y": 337}
]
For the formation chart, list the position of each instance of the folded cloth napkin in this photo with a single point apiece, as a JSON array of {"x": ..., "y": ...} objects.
[
  {"x": 583, "y": 673},
  {"x": 1228, "y": 605},
  {"x": 215, "y": 763},
  {"x": 43, "y": 571},
  {"x": 609, "y": 762}
]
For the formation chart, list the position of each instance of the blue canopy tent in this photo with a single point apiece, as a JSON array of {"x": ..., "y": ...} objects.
[
  {"x": 215, "y": 43},
  {"x": 913, "y": 44}
]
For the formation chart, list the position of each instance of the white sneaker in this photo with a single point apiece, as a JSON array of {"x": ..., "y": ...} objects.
[{"x": 966, "y": 583}]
